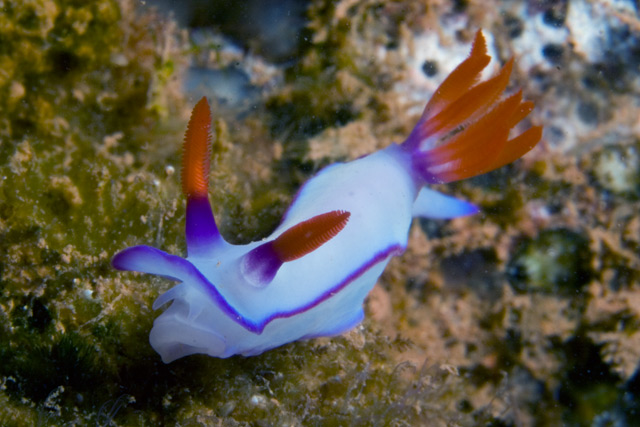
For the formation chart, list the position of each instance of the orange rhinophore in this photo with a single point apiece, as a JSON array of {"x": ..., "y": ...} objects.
[
  {"x": 309, "y": 235},
  {"x": 196, "y": 152},
  {"x": 464, "y": 129},
  {"x": 260, "y": 265}
]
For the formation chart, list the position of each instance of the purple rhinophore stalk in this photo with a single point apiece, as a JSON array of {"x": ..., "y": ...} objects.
[{"x": 200, "y": 229}]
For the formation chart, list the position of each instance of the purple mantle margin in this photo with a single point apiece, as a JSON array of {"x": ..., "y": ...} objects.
[{"x": 121, "y": 261}]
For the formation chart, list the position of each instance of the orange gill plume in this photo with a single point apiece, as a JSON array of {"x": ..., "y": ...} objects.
[
  {"x": 196, "y": 152},
  {"x": 464, "y": 129}
]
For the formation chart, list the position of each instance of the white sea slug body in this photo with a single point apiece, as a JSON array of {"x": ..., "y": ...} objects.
[{"x": 309, "y": 278}]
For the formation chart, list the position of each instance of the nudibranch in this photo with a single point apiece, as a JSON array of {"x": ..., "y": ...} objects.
[{"x": 311, "y": 276}]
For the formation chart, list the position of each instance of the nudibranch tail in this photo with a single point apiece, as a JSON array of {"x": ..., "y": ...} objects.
[
  {"x": 261, "y": 264},
  {"x": 201, "y": 230},
  {"x": 465, "y": 131},
  {"x": 435, "y": 205}
]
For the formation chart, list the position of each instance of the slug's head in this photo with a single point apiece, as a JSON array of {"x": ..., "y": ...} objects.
[
  {"x": 219, "y": 304},
  {"x": 260, "y": 265}
]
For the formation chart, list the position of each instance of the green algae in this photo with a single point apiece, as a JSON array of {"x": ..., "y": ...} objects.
[
  {"x": 558, "y": 261},
  {"x": 617, "y": 169},
  {"x": 588, "y": 385},
  {"x": 75, "y": 98},
  {"x": 335, "y": 82}
]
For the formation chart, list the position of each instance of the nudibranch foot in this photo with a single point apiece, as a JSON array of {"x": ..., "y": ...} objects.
[
  {"x": 175, "y": 336},
  {"x": 310, "y": 277}
]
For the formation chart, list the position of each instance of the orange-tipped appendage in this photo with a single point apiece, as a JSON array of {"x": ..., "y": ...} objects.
[
  {"x": 472, "y": 103},
  {"x": 518, "y": 146},
  {"x": 309, "y": 235},
  {"x": 477, "y": 137},
  {"x": 470, "y": 125},
  {"x": 461, "y": 79},
  {"x": 483, "y": 146},
  {"x": 196, "y": 152}
]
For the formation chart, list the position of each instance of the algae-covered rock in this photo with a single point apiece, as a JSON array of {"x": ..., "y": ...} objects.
[
  {"x": 486, "y": 320},
  {"x": 556, "y": 261},
  {"x": 77, "y": 85},
  {"x": 617, "y": 169}
]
